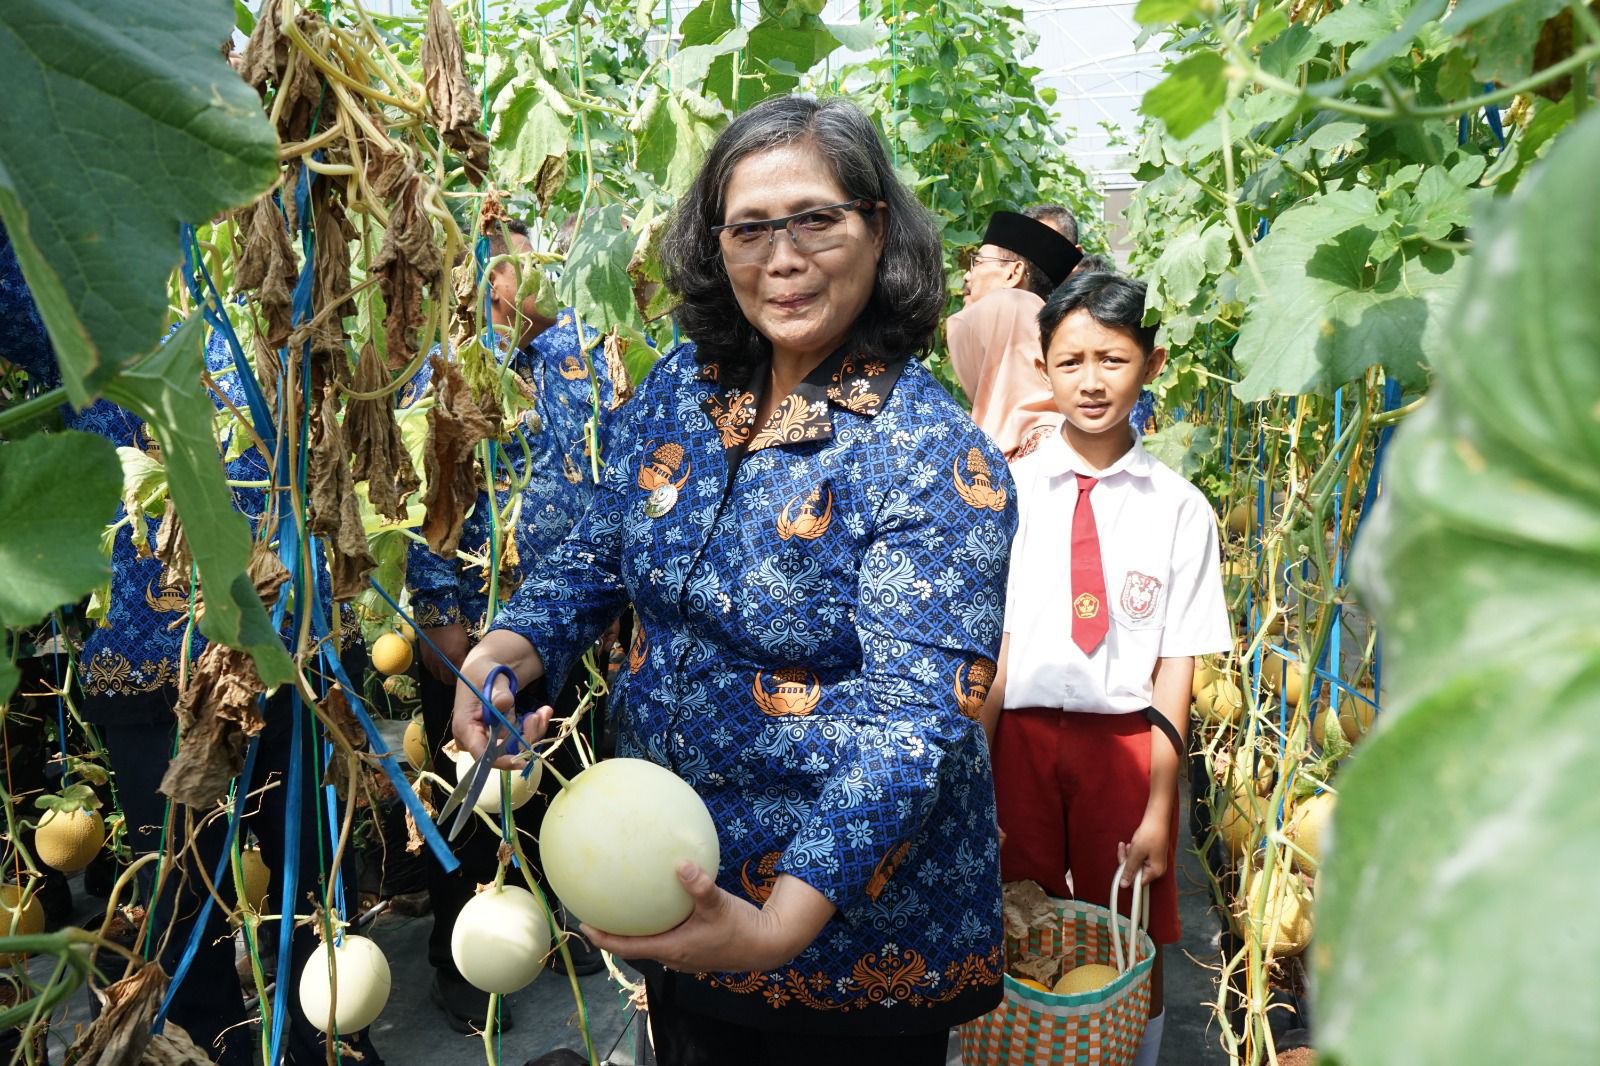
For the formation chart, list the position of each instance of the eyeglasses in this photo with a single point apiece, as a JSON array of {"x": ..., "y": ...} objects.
[
  {"x": 816, "y": 229},
  {"x": 972, "y": 259}
]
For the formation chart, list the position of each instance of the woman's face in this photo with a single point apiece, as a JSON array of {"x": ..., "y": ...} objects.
[{"x": 803, "y": 304}]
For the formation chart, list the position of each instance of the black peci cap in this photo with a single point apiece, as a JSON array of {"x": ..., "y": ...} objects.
[{"x": 1040, "y": 244}]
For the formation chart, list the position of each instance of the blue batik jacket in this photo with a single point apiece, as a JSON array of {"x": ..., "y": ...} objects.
[
  {"x": 819, "y": 608},
  {"x": 129, "y": 664},
  {"x": 550, "y": 455}
]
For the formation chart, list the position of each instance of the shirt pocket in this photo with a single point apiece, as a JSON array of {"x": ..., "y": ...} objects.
[{"x": 1139, "y": 600}]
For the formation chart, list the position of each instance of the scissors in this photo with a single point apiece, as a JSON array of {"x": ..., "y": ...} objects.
[{"x": 504, "y": 738}]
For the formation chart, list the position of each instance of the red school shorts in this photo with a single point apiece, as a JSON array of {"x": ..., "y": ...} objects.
[{"x": 1069, "y": 788}]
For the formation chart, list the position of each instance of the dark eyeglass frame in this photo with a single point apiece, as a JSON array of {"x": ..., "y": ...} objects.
[
  {"x": 971, "y": 258},
  {"x": 865, "y": 205}
]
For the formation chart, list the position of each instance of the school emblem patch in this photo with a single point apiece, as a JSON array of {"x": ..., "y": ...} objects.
[
  {"x": 1139, "y": 595},
  {"x": 1087, "y": 605}
]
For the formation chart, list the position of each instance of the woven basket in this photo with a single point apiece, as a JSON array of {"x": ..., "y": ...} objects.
[{"x": 1098, "y": 1028}]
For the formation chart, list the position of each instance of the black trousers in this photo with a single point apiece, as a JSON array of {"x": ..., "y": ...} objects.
[
  {"x": 210, "y": 1003},
  {"x": 478, "y": 847},
  {"x": 684, "y": 1038}
]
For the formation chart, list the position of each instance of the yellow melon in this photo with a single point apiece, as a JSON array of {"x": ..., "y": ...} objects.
[
  {"x": 1355, "y": 718},
  {"x": 1088, "y": 978},
  {"x": 69, "y": 842},
  {"x": 1308, "y": 825},
  {"x": 1241, "y": 821},
  {"x": 415, "y": 745},
  {"x": 1031, "y": 983},
  {"x": 1280, "y": 675},
  {"x": 1221, "y": 702},
  {"x": 1285, "y": 927},
  {"x": 391, "y": 654},
  {"x": 26, "y": 920},
  {"x": 1204, "y": 674}
]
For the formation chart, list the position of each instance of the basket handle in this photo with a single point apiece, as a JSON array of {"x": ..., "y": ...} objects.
[{"x": 1138, "y": 918}]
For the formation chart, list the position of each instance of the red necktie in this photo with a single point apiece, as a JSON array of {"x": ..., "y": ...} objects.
[{"x": 1089, "y": 622}]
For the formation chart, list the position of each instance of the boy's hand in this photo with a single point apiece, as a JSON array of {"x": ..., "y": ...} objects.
[{"x": 1147, "y": 851}]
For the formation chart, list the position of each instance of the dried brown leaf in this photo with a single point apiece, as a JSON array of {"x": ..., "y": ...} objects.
[
  {"x": 455, "y": 426},
  {"x": 464, "y": 312},
  {"x": 267, "y": 52},
  {"x": 373, "y": 437},
  {"x": 172, "y": 548},
  {"x": 330, "y": 279},
  {"x": 267, "y": 265},
  {"x": 217, "y": 713},
  {"x": 455, "y": 104},
  {"x": 267, "y": 573},
  {"x": 335, "y": 511},
  {"x": 174, "y": 1047},
  {"x": 550, "y": 179},
  {"x": 414, "y": 841},
  {"x": 407, "y": 261},
  {"x": 119, "y": 1036},
  {"x": 621, "y": 387},
  {"x": 301, "y": 90},
  {"x": 338, "y": 716}
]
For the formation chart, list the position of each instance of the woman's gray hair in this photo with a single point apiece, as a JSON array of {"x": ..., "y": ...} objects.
[{"x": 908, "y": 294}]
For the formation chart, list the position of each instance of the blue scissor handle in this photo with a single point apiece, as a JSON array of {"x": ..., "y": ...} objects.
[{"x": 491, "y": 713}]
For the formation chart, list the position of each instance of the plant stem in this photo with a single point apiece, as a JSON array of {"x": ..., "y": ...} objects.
[{"x": 28, "y": 410}]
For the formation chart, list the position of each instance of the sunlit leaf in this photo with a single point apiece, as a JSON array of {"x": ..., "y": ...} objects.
[{"x": 1189, "y": 95}]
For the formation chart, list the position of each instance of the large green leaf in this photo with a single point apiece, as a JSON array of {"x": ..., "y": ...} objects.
[
  {"x": 1319, "y": 317},
  {"x": 673, "y": 137},
  {"x": 133, "y": 124},
  {"x": 1457, "y": 922},
  {"x": 596, "y": 280},
  {"x": 1189, "y": 95},
  {"x": 164, "y": 389},
  {"x": 57, "y": 492}
]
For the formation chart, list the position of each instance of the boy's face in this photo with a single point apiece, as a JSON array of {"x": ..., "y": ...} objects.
[{"x": 1095, "y": 374}]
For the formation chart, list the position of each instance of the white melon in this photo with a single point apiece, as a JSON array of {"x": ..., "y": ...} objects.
[
  {"x": 500, "y": 939},
  {"x": 363, "y": 985},
  {"x": 612, "y": 840}
]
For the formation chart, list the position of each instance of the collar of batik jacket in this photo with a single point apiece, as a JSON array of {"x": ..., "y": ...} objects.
[{"x": 860, "y": 384}]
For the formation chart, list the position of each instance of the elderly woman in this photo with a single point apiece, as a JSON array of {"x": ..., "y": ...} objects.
[{"x": 815, "y": 538}]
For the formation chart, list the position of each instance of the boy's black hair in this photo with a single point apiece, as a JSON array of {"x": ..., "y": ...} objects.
[
  {"x": 499, "y": 234},
  {"x": 1114, "y": 301}
]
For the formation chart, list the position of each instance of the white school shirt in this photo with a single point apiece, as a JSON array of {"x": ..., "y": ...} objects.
[{"x": 1158, "y": 548}]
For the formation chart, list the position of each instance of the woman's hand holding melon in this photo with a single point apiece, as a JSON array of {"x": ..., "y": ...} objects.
[{"x": 727, "y": 933}]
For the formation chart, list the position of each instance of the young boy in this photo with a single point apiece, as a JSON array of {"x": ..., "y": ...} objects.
[{"x": 1115, "y": 587}]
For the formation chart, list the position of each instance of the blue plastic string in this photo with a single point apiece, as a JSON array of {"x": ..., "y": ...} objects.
[{"x": 197, "y": 932}]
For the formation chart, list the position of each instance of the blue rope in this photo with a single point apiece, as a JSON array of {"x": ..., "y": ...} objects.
[
  {"x": 291, "y": 878},
  {"x": 197, "y": 932}
]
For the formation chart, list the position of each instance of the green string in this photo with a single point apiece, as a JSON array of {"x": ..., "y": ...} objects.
[{"x": 894, "y": 72}]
